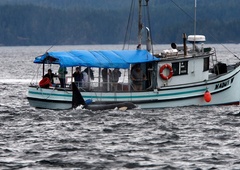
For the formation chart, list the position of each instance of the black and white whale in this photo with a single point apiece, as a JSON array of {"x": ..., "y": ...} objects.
[{"x": 78, "y": 100}]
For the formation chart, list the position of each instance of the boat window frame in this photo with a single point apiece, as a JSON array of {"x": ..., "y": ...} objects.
[
  {"x": 180, "y": 68},
  {"x": 206, "y": 66}
]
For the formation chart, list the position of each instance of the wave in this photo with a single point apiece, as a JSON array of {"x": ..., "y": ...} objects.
[{"x": 14, "y": 81}]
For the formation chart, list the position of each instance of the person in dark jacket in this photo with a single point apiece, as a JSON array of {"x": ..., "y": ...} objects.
[
  {"x": 78, "y": 76},
  {"x": 50, "y": 75}
]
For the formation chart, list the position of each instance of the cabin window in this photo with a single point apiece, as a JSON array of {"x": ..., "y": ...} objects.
[
  {"x": 206, "y": 64},
  {"x": 180, "y": 68}
]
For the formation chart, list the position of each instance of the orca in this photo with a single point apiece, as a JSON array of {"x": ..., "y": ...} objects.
[
  {"x": 106, "y": 106},
  {"x": 78, "y": 100}
]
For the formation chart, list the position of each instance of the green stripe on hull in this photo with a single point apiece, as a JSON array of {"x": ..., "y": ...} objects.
[
  {"x": 144, "y": 96},
  {"x": 121, "y": 97},
  {"x": 52, "y": 94}
]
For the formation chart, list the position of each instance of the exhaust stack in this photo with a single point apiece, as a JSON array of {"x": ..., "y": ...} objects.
[{"x": 148, "y": 43}]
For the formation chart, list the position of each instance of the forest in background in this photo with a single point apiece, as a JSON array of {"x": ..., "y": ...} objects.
[{"x": 75, "y": 22}]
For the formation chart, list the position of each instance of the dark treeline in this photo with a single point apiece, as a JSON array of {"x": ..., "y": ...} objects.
[
  {"x": 31, "y": 25},
  {"x": 82, "y": 22}
]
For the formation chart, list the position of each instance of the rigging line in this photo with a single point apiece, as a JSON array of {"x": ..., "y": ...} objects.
[
  {"x": 182, "y": 9},
  {"x": 230, "y": 52},
  {"x": 130, "y": 18},
  {"x": 49, "y": 48},
  {"x": 36, "y": 75},
  {"x": 205, "y": 29}
]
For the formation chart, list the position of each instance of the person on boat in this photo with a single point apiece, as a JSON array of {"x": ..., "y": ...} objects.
[
  {"x": 106, "y": 74},
  {"x": 78, "y": 76},
  {"x": 62, "y": 71},
  {"x": 86, "y": 78},
  {"x": 115, "y": 78},
  {"x": 139, "y": 47},
  {"x": 137, "y": 77},
  {"x": 50, "y": 75},
  {"x": 89, "y": 71}
]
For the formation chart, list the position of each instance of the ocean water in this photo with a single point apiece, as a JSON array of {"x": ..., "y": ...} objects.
[{"x": 198, "y": 138}]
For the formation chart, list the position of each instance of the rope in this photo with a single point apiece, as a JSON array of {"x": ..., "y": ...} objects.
[
  {"x": 130, "y": 19},
  {"x": 49, "y": 48},
  {"x": 35, "y": 75}
]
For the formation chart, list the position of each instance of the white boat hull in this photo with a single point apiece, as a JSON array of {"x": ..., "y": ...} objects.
[
  {"x": 224, "y": 91},
  {"x": 49, "y": 98}
]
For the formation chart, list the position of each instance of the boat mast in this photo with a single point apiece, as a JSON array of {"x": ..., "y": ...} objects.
[
  {"x": 195, "y": 20},
  {"x": 140, "y": 25}
]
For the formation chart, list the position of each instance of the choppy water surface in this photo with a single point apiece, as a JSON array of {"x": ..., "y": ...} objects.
[{"x": 171, "y": 138}]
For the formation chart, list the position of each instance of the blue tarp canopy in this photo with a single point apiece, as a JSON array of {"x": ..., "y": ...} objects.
[{"x": 101, "y": 59}]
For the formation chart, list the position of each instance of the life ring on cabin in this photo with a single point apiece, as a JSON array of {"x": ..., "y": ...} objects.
[
  {"x": 166, "y": 66},
  {"x": 45, "y": 82}
]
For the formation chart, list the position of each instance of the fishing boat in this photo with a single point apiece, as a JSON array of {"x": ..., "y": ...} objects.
[{"x": 183, "y": 75}]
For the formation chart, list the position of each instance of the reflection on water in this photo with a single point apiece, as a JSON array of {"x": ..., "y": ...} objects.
[{"x": 171, "y": 138}]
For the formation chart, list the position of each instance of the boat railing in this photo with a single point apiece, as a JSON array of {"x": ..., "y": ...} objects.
[
  {"x": 179, "y": 52},
  {"x": 104, "y": 86}
]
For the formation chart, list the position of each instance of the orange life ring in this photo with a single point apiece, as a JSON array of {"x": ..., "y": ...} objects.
[
  {"x": 45, "y": 82},
  {"x": 170, "y": 72}
]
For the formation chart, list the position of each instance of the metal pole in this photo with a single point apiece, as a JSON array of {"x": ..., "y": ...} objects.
[
  {"x": 195, "y": 20},
  {"x": 140, "y": 23}
]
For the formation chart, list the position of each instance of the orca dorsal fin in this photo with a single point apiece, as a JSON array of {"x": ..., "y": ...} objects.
[{"x": 77, "y": 98}]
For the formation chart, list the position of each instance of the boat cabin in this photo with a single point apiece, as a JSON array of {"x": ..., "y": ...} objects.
[{"x": 182, "y": 65}]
